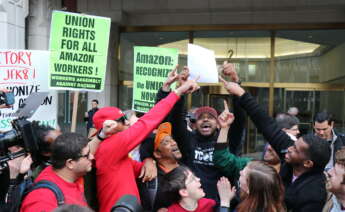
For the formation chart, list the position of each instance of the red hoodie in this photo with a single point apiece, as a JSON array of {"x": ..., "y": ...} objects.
[{"x": 116, "y": 172}]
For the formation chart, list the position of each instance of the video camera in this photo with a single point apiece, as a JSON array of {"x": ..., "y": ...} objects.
[
  {"x": 127, "y": 203},
  {"x": 22, "y": 133},
  {"x": 6, "y": 98}
]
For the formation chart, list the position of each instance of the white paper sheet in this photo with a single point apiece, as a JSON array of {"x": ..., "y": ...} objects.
[{"x": 202, "y": 62}]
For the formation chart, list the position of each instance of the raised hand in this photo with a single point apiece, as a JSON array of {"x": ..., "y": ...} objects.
[
  {"x": 225, "y": 191},
  {"x": 25, "y": 165},
  {"x": 232, "y": 88},
  {"x": 14, "y": 166},
  {"x": 188, "y": 87},
  {"x": 172, "y": 77},
  {"x": 109, "y": 127},
  {"x": 226, "y": 118},
  {"x": 230, "y": 70},
  {"x": 183, "y": 75}
]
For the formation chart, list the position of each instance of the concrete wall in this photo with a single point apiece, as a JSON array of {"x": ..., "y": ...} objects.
[
  {"x": 39, "y": 23},
  {"x": 201, "y": 12}
]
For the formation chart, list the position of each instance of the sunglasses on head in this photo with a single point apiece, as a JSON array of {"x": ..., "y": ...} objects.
[{"x": 121, "y": 119}]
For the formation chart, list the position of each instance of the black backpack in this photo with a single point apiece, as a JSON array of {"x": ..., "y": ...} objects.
[{"x": 27, "y": 186}]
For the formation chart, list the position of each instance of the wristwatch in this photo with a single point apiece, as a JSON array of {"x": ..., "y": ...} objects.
[{"x": 101, "y": 135}]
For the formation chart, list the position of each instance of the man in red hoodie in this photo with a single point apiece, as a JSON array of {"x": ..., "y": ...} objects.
[{"x": 116, "y": 172}]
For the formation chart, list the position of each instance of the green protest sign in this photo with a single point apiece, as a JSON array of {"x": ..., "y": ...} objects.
[
  {"x": 79, "y": 48},
  {"x": 151, "y": 68}
]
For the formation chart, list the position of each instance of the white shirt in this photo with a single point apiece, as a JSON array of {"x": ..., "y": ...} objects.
[{"x": 330, "y": 162}]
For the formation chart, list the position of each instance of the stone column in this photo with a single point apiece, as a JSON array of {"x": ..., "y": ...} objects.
[
  {"x": 12, "y": 23},
  {"x": 39, "y": 23}
]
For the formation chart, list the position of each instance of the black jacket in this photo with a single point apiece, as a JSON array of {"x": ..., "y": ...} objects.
[
  {"x": 307, "y": 193},
  {"x": 151, "y": 194},
  {"x": 339, "y": 142},
  {"x": 89, "y": 120},
  {"x": 197, "y": 150}
]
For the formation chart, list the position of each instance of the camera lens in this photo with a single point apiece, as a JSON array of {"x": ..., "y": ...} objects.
[{"x": 8, "y": 139}]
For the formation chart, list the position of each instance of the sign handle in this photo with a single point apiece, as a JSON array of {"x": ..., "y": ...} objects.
[{"x": 75, "y": 110}]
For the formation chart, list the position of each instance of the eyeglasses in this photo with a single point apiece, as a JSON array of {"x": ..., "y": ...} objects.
[
  {"x": 121, "y": 119},
  {"x": 87, "y": 155}
]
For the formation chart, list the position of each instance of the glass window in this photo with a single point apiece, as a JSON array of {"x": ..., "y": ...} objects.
[
  {"x": 65, "y": 110},
  {"x": 333, "y": 102},
  {"x": 312, "y": 56},
  {"x": 301, "y": 56},
  {"x": 309, "y": 56},
  {"x": 251, "y": 51}
]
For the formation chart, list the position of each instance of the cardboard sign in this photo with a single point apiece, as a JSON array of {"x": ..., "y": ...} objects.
[
  {"x": 79, "y": 48},
  {"x": 24, "y": 72},
  {"x": 151, "y": 68},
  {"x": 202, "y": 64}
]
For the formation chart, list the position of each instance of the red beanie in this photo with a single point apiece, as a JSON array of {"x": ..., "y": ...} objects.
[
  {"x": 206, "y": 109},
  {"x": 106, "y": 113}
]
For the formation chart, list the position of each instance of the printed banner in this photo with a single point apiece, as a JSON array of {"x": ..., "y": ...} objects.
[
  {"x": 79, "y": 48},
  {"x": 24, "y": 72},
  {"x": 151, "y": 68}
]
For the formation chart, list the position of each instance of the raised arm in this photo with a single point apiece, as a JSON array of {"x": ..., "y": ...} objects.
[
  {"x": 177, "y": 115},
  {"x": 230, "y": 164},
  {"x": 226, "y": 194},
  {"x": 123, "y": 142},
  {"x": 236, "y": 132},
  {"x": 166, "y": 89},
  {"x": 278, "y": 139},
  {"x": 154, "y": 117}
]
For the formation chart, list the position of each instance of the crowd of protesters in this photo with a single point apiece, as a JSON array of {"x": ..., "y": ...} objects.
[{"x": 158, "y": 161}]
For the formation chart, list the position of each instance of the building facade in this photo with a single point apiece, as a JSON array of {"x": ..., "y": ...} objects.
[{"x": 287, "y": 53}]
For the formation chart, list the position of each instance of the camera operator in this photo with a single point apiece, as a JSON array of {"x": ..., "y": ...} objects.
[
  {"x": 19, "y": 167},
  {"x": 12, "y": 175},
  {"x": 6, "y": 175}
]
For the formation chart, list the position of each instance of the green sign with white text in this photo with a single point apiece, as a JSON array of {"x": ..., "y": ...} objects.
[
  {"x": 79, "y": 48},
  {"x": 151, "y": 68}
]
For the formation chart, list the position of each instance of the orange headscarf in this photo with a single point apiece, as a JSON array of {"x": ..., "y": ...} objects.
[{"x": 164, "y": 129}]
